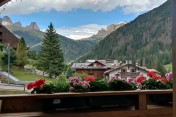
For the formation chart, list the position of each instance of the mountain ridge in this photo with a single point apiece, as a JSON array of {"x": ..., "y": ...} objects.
[
  {"x": 6, "y": 20},
  {"x": 102, "y": 33},
  {"x": 144, "y": 40}
]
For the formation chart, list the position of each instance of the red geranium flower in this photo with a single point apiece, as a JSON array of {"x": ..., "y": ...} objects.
[
  {"x": 39, "y": 83},
  {"x": 140, "y": 79},
  {"x": 30, "y": 85},
  {"x": 155, "y": 77},
  {"x": 164, "y": 80},
  {"x": 89, "y": 78},
  {"x": 150, "y": 73}
]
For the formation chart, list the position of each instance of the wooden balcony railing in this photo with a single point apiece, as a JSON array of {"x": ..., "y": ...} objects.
[{"x": 37, "y": 104}]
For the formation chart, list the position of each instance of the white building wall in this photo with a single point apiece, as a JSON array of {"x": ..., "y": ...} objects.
[{"x": 112, "y": 74}]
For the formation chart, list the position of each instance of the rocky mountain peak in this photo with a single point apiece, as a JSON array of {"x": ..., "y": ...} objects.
[
  {"x": 33, "y": 25},
  {"x": 6, "y": 21},
  {"x": 17, "y": 24},
  {"x": 114, "y": 27},
  {"x": 101, "y": 32}
]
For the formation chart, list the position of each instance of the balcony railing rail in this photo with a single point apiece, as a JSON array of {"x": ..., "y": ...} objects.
[{"x": 33, "y": 104}]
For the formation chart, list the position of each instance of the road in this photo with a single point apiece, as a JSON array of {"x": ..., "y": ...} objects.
[{"x": 11, "y": 87}]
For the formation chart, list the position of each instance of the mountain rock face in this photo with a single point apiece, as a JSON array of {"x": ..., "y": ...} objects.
[
  {"x": 33, "y": 25},
  {"x": 72, "y": 49},
  {"x": 146, "y": 39},
  {"x": 6, "y": 21},
  {"x": 17, "y": 24},
  {"x": 104, "y": 32}
]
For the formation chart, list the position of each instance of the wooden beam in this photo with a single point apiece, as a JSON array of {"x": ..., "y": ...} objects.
[
  {"x": 2, "y": 2},
  {"x": 174, "y": 54}
]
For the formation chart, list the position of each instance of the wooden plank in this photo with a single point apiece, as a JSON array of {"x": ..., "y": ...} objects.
[
  {"x": 142, "y": 102},
  {"x": 174, "y": 54},
  {"x": 129, "y": 113},
  {"x": 69, "y": 94},
  {"x": 2, "y": 2}
]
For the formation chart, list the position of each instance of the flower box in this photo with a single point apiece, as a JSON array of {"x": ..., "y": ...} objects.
[
  {"x": 64, "y": 104},
  {"x": 161, "y": 99},
  {"x": 112, "y": 101}
]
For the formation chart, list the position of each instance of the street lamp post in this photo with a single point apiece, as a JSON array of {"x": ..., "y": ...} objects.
[{"x": 7, "y": 50}]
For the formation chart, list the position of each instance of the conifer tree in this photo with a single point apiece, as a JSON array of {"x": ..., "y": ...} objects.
[
  {"x": 21, "y": 53},
  {"x": 51, "y": 56}
]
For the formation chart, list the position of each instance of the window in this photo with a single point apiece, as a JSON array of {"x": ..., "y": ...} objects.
[
  {"x": 123, "y": 70},
  {"x": 133, "y": 70}
]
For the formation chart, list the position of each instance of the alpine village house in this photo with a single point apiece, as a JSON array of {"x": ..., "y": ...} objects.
[
  {"x": 6, "y": 37},
  {"x": 108, "y": 68}
]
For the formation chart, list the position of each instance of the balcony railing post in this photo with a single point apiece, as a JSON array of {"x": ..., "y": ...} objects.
[{"x": 174, "y": 54}]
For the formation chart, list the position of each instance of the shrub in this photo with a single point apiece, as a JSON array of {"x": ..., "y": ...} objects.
[
  {"x": 118, "y": 84},
  {"x": 99, "y": 85}
]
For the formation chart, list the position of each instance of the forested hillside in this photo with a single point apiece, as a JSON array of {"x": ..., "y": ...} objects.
[{"x": 145, "y": 40}]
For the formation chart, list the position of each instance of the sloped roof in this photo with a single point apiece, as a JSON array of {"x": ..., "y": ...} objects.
[
  {"x": 2, "y": 2},
  {"x": 140, "y": 67},
  {"x": 86, "y": 66},
  {"x": 97, "y": 62},
  {"x": 88, "y": 63}
]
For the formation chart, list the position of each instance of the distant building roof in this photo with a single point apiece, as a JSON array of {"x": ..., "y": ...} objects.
[
  {"x": 88, "y": 64},
  {"x": 140, "y": 67}
]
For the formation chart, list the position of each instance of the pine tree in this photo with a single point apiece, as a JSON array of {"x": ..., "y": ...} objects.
[
  {"x": 21, "y": 53},
  {"x": 51, "y": 56},
  {"x": 160, "y": 67}
]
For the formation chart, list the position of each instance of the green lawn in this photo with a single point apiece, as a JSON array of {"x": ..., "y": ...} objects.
[{"x": 25, "y": 76}]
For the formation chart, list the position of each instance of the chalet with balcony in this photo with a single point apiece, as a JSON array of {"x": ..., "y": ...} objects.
[
  {"x": 7, "y": 37},
  {"x": 95, "y": 67},
  {"x": 129, "y": 70}
]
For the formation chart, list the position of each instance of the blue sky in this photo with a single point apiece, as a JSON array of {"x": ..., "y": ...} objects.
[{"x": 77, "y": 18}]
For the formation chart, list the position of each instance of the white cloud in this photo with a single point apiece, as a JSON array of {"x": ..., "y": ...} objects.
[
  {"x": 128, "y": 6},
  {"x": 79, "y": 32}
]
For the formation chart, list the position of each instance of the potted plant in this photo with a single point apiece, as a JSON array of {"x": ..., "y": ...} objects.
[
  {"x": 154, "y": 81},
  {"x": 116, "y": 84}
]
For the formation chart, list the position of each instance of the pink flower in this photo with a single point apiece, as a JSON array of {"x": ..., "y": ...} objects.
[
  {"x": 129, "y": 79},
  {"x": 169, "y": 75},
  {"x": 85, "y": 84}
]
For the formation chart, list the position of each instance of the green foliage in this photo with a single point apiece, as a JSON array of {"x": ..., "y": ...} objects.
[
  {"x": 1, "y": 47},
  {"x": 51, "y": 56},
  {"x": 21, "y": 53},
  {"x": 99, "y": 85},
  {"x": 69, "y": 72},
  {"x": 144, "y": 39},
  {"x": 72, "y": 49},
  {"x": 160, "y": 68},
  {"x": 156, "y": 84},
  {"x": 47, "y": 88},
  {"x": 81, "y": 75},
  {"x": 122, "y": 85},
  {"x": 32, "y": 54},
  {"x": 61, "y": 84}
]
